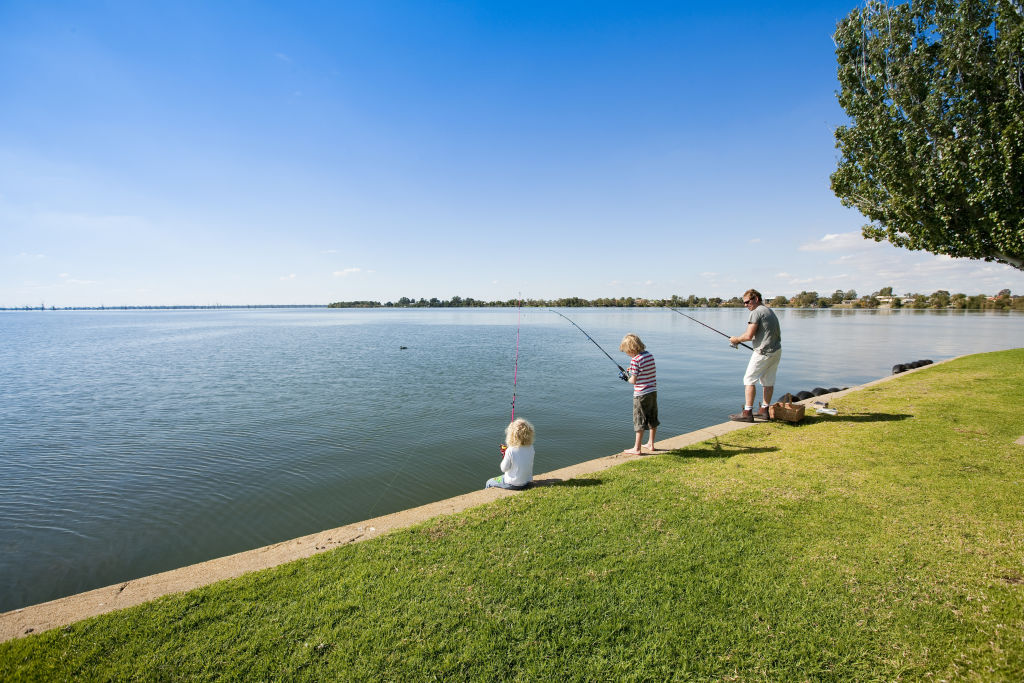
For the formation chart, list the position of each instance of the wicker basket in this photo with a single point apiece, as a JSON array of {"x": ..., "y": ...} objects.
[{"x": 790, "y": 412}]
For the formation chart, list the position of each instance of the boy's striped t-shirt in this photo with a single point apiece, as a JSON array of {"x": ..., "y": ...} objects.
[{"x": 642, "y": 366}]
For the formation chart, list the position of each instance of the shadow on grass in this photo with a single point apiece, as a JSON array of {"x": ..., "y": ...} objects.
[
  {"x": 852, "y": 417},
  {"x": 719, "y": 449},
  {"x": 566, "y": 482}
]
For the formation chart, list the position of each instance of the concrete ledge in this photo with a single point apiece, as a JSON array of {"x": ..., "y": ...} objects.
[{"x": 63, "y": 611}]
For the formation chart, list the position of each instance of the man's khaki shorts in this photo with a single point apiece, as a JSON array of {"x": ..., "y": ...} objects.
[{"x": 762, "y": 368}]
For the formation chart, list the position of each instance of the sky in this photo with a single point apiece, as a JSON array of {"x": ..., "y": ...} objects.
[{"x": 233, "y": 153}]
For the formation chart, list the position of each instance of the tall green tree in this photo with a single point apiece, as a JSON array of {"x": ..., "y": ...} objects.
[
  {"x": 939, "y": 299},
  {"x": 934, "y": 153}
]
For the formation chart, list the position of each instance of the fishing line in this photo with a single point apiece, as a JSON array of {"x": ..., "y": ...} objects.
[
  {"x": 515, "y": 372},
  {"x": 621, "y": 369},
  {"x": 405, "y": 461},
  {"x": 515, "y": 380},
  {"x": 707, "y": 326}
]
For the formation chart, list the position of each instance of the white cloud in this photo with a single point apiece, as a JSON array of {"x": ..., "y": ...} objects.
[
  {"x": 350, "y": 271},
  {"x": 756, "y": 240},
  {"x": 283, "y": 57},
  {"x": 868, "y": 266},
  {"x": 290, "y": 276},
  {"x": 957, "y": 275},
  {"x": 30, "y": 257},
  {"x": 820, "y": 283}
]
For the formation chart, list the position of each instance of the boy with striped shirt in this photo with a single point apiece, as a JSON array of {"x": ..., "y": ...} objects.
[{"x": 641, "y": 375}]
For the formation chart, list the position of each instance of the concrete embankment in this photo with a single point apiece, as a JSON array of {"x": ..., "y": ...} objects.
[{"x": 64, "y": 611}]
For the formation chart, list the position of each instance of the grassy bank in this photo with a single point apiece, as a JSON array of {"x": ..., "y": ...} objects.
[{"x": 884, "y": 543}]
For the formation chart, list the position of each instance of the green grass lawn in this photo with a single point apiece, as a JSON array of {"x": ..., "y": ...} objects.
[{"x": 884, "y": 543}]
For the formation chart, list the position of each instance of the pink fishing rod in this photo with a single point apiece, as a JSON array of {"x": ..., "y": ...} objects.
[{"x": 515, "y": 372}]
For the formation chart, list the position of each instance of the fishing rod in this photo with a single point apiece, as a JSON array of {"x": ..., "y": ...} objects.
[
  {"x": 708, "y": 326},
  {"x": 515, "y": 372},
  {"x": 621, "y": 369}
]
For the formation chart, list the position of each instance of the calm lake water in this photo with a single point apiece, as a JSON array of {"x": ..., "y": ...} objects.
[{"x": 132, "y": 442}]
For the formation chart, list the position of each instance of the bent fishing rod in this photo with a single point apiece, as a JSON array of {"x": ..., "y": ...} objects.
[
  {"x": 708, "y": 326},
  {"x": 622, "y": 370}
]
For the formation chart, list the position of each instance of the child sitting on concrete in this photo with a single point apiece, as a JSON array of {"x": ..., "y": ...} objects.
[{"x": 517, "y": 457}]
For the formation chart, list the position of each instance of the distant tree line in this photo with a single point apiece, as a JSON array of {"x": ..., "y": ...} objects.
[{"x": 883, "y": 298}]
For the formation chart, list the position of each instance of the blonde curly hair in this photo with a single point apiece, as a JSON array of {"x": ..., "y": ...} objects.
[
  {"x": 519, "y": 433},
  {"x": 632, "y": 345}
]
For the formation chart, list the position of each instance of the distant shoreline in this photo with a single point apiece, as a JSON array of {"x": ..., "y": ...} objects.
[{"x": 883, "y": 299}]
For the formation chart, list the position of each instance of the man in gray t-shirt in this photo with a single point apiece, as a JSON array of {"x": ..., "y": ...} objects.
[{"x": 763, "y": 330}]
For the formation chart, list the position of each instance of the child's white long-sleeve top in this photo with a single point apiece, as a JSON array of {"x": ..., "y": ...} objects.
[{"x": 518, "y": 465}]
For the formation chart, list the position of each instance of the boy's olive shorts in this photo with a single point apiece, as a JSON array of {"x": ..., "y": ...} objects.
[{"x": 645, "y": 411}]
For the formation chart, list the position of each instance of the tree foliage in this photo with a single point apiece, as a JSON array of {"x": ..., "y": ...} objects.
[{"x": 934, "y": 154}]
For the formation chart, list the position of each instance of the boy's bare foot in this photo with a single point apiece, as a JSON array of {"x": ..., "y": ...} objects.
[
  {"x": 633, "y": 451},
  {"x": 652, "y": 449}
]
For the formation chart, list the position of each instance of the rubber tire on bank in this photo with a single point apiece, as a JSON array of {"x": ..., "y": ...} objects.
[{"x": 804, "y": 395}]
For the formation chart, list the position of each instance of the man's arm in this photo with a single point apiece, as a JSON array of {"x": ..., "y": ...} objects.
[{"x": 746, "y": 336}]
